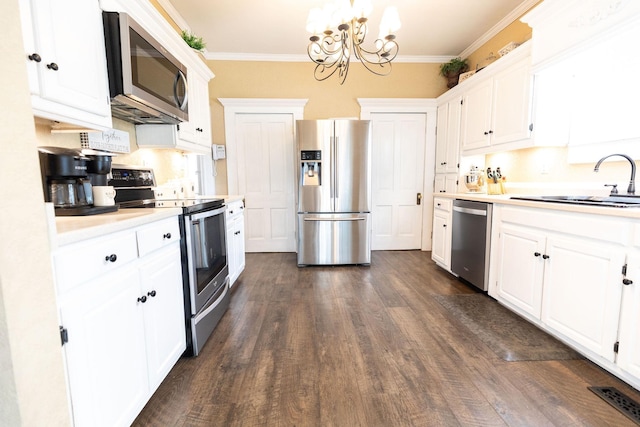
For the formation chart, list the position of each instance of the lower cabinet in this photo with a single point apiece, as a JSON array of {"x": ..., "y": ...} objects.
[
  {"x": 629, "y": 344},
  {"x": 125, "y": 327},
  {"x": 441, "y": 241},
  {"x": 235, "y": 239},
  {"x": 565, "y": 271}
]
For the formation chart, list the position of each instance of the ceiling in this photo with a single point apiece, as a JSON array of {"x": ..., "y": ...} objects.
[{"x": 432, "y": 30}]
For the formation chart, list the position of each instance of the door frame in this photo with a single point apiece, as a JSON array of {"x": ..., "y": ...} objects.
[
  {"x": 428, "y": 106},
  {"x": 235, "y": 106}
]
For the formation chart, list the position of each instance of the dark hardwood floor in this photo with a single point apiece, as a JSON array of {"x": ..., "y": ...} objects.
[{"x": 365, "y": 346}]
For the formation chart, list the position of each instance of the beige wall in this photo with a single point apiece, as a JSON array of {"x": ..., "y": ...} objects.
[
  {"x": 32, "y": 384},
  {"x": 238, "y": 79}
]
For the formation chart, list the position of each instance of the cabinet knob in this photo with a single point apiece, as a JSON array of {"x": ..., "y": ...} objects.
[
  {"x": 142, "y": 299},
  {"x": 486, "y": 133},
  {"x": 444, "y": 225},
  {"x": 167, "y": 236},
  {"x": 35, "y": 57},
  {"x": 111, "y": 258},
  {"x": 236, "y": 233},
  {"x": 545, "y": 256},
  {"x": 537, "y": 254},
  {"x": 231, "y": 212},
  {"x": 627, "y": 281},
  {"x": 53, "y": 66},
  {"x": 152, "y": 293}
]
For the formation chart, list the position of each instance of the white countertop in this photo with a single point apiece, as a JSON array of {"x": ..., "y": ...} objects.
[
  {"x": 71, "y": 229},
  {"x": 567, "y": 207}
]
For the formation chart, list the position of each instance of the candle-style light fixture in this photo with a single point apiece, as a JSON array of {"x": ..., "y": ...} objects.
[{"x": 339, "y": 30}]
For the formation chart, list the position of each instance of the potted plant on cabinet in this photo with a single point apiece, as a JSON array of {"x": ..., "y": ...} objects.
[
  {"x": 194, "y": 42},
  {"x": 452, "y": 70}
]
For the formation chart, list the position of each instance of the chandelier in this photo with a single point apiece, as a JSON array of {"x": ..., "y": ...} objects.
[{"x": 339, "y": 30}]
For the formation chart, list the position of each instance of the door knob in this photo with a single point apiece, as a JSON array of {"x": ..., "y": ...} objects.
[
  {"x": 419, "y": 198},
  {"x": 627, "y": 282}
]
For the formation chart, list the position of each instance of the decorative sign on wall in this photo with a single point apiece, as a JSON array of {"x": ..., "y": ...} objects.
[{"x": 112, "y": 140}]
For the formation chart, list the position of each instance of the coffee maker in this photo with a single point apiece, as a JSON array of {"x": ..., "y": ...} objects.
[{"x": 68, "y": 176}]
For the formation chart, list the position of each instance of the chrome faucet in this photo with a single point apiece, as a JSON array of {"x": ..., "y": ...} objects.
[{"x": 632, "y": 181}]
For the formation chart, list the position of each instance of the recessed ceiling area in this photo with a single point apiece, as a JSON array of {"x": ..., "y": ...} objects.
[{"x": 432, "y": 30}]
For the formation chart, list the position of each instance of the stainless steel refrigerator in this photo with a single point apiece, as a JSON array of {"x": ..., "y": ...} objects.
[{"x": 334, "y": 192}]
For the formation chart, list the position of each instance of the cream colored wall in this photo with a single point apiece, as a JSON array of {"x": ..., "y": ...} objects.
[
  {"x": 167, "y": 164},
  {"x": 237, "y": 79},
  {"x": 32, "y": 380}
]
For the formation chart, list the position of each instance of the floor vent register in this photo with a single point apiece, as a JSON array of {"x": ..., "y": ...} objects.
[{"x": 623, "y": 403}]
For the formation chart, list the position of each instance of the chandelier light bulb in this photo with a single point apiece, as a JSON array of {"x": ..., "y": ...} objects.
[
  {"x": 390, "y": 22},
  {"x": 362, "y": 8},
  {"x": 315, "y": 21}
]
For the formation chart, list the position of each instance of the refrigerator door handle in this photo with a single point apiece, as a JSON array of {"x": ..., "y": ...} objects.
[
  {"x": 334, "y": 219},
  {"x": 335, "y": 169}
]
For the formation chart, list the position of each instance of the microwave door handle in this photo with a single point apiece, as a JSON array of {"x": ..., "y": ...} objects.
[{"x": 180, "y": 76}]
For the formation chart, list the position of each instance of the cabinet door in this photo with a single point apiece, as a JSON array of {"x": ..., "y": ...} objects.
[
  {"x": 164, "y": 319},
  {"x": 441, "y": 242},
  {"x": 71, "y": 77},
  {"x": 203, "y": 123},
  {"x": 629, "y": 351},
  {"x": 106, "y": 357},
  {"x": 520, "y": 268},
  {"x": 453, "y": 135},
  {"x": 476, "y": 116},
  {"x": 239, "y": 246},
  {"x": 582, "y": 292},
  {"x": 442, "y": 127},
  {"x": 512, "y": 104}
]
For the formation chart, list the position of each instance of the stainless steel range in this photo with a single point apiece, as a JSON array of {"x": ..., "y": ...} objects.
[{"x": 203, "y": 245}]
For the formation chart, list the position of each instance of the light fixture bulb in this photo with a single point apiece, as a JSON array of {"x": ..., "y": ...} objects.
[
  {"x": 362, "y": 8},
  {"x": 390, "y": 22}
]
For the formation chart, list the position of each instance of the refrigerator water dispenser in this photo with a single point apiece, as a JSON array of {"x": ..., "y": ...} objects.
[{"x": 311, "y": 168}]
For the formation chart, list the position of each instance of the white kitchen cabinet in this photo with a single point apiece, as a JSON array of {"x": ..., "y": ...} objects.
[
  {"x": 235, "y": 239},
  {"x": 441, "y": 241},
  {"x": 629, "y": 336},
  {"x": 193, "y": 136},
  {"x": 497, "y": 110},
  {"x": 445, "y": 183},
  {"x": 164, "y": 313},
  {"x": 520, "y": 268},
  {"x": 106, "y": 353},
  {"x": 562, "y": 270},
  {"x": 448, "y": 136},
  {"x": 582, "y": 292},
  {"x": 66, "y": 61},
  {"x": 124, "y": 323}
]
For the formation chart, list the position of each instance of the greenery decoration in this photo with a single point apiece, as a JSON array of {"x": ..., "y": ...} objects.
[{"x": 193, "y": 41}]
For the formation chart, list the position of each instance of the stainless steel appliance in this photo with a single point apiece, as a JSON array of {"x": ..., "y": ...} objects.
[
  {"x": 471, "y": 241},
  {"x": 147, "y": 84},
  {"x": 68, "y": 177},
  {"x": 334, "y": 192},
  {"x": 205, "y": 270}
]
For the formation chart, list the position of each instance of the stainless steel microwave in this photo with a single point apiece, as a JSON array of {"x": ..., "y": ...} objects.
[{"x": 147, "y": 84}]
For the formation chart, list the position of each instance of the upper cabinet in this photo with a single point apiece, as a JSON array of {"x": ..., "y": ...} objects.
[
  {"x": 66, "y": 62},
  {"x": 448, "y": 136},
  {"x": 497, "y": 106},
  {"x": 580, "y": 57}
]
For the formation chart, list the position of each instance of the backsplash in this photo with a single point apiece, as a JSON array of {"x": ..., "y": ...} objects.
[
  {"x": 548, "y": 167},
  {"x": 167, "y": 164}
]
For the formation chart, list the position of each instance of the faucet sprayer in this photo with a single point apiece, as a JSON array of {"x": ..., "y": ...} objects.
[{"x": 632, "y": 181}]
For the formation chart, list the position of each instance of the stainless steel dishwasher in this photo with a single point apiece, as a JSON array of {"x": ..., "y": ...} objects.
[{"x": 471, "y": 240}]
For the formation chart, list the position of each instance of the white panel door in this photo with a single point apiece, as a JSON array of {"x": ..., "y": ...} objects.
[
  {"x": 265, "y": 178},
  {"x": 397, "y": 177}
]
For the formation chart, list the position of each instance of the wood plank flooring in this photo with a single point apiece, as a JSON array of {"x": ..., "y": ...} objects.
[{"x": 365, "y": 346}]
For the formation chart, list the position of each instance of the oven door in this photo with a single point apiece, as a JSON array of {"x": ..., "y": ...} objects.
[{"x": 206, "y": 255}]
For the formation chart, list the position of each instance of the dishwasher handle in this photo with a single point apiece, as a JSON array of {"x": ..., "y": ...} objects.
[{"x": 478, "y": 212}]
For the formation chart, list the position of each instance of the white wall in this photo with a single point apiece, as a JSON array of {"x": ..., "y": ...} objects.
[{"x": 32, "y": 385}]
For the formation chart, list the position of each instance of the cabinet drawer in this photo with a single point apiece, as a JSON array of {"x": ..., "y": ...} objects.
[
  {"x": 81, "y": 262},
  {"x": 234, "y": 209},
  {"x": 443, "y": 205},
  {"x": 157, "y": 235}
]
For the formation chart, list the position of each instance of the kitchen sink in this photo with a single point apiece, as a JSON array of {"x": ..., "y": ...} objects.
[{"x": 617, "y": 201}]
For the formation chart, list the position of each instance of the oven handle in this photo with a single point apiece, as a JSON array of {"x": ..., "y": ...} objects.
[
  {"x": 335, "y": 219},
  {"x": 207, "y": 214},
  {"x": 214, "y": 303}
]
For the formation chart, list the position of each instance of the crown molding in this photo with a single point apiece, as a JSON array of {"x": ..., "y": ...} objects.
[{"x": 501, "y": 25}]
